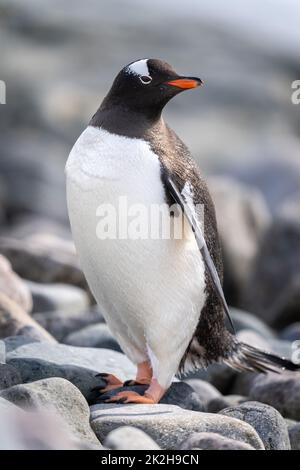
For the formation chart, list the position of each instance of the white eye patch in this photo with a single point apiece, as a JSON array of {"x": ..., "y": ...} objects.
[
  {"x": 139, "y": 67},
  {"x": 145, "y": 79}
]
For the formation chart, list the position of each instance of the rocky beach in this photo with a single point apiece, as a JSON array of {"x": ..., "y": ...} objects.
[{"x": 244, "y": 133}]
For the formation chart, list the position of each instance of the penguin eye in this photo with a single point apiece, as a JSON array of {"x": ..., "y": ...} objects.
[{"x": 146, "y": 79}]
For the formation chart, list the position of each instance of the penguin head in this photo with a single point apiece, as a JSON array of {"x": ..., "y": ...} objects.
[{"x": 146, "y": 85}]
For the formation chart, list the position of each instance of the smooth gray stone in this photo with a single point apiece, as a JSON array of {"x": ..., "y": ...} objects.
[
  {"x": 9, "y": 376},
  {"x": 60, "y": 324},
  {"x": 59, "y": 396},
  {"x": 129, "y": 438},
  {"x": 243, "y": 320},
  {"x": 269, "y": 424},
  {"x": 205, "y": 391},
  {"x": 291, "y": 332},
  {"x": 84, "y": 379},
  {"x": 99, "y": 360},
  {"x": 219, "y": 403},
  {"x": 16, "y": 321},
  {"x": 213, "y": 441},
  {"x": 93, "y": 336},
  {"x": 57, "y": 297},
  {"x": 282, "y": 391},
  {"x": 2, "y": 352},
  {"x": 13, "y": 286},
  {"x": 169, "y": 425},
  {"x": 294, "y": 434}
]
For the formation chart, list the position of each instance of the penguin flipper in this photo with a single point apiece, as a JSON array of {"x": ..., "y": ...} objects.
[{"x": 181, "y": 198}]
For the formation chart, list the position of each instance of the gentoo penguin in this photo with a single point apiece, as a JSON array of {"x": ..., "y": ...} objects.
[{"x": 161, "y": 297}]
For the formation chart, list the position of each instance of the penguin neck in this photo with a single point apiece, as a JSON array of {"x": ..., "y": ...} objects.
[{"x": 118, "y": 119}]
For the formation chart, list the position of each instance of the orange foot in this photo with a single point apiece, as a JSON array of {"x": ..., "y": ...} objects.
[
  {"x": 111, "y": 382},
  {"x": 152, "y": 395},
  {"x": 131, "y": 397}
]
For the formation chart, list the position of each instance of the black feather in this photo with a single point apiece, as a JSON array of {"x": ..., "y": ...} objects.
[{"x": 251, "y": 359}]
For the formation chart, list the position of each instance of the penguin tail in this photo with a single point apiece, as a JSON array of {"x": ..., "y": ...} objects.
[{"x": 250, "y": 359}]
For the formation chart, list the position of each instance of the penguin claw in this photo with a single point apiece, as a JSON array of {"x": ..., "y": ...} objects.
[
  {"x": 110, "y": 383},
  {"x": 130, "y": 397},
  {"x": 131, "y": 383}
]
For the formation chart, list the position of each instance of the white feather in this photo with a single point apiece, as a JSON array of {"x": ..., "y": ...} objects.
[
  {"x": 139, "y": 67},
  {"x": 151, "y": 292}
]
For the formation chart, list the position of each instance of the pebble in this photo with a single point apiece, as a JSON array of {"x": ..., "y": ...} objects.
[
  {"x": 129, "y": 438},
  {"x": 13, "y": 286},
  {"x": 84, "y": 379},
  {"x": 219, "y": 403},
  {"x": 169, "y": 425},
  {"x": 57, "y": 297},
  {"x": 15, "y": 321},
  {"x": 294, "y": 434},
  {"x": 99, "y": 360},
  {"x": 93, "y": 336},
  {"x": 42, "y": 263},
  {"x": 9, "y": 376},
  {"x": 205, "y": 391},
  {"x": 291, "y": 332},
  {"x": 213, "y": 441},
  {"x": 282, "y": 391},
  {"x": 269, "y": 424},
  {"x": 62, "y": 323},
  {"x": 59, "y": 396}
]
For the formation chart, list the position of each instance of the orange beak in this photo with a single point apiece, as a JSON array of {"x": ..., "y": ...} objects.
[{"x": 185, "y": 83}]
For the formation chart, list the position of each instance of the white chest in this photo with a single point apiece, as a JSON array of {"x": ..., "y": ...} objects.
[{"x": 128, "y": 166}]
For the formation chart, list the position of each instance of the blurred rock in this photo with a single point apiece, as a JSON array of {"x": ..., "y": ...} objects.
[
  {"x": 32, "y": 369},
  {"x": 280, "y": 391},
  {"x": 291, "y": 332},
  {"x": 9, "y": 376},
  {"x": 221, "y": 376},
  {"x": 61, "y": 324},
  {"x": 243, "y": 383},
  {"x": 39, "y": 430},
  {"x": 60, "y": 396},
  {"x": 179, "y": 394},
  {"x": 254, "y": 339},
  {"x": 289, "y": 209},
  {"x": 247, "y": 321},
  {"x": 13, "y": 342},
  {"x": 274, "y": 289},
  {"x": 93, "y": 336},
  {"x": 6, "y": 405},
  {"x": 99, "y": 360},
  {"x": 129, "y": 438},
  {"x": 268, "y": 423},
  {"x": 42, "y": 263},
  {"x": 217, "y": 404},
  {"x": 242, "y": 215},
  {"x": 277, "y": 178},
  {"x": 213, "y": 441},
  {"x": 168, "y": 425},
  {"x": 57, "y": 297},
  {"x": 15, "y": 321},
  {"x": 14, "y": 287},
  {"x": 294, "y": 434},
  {"x": 3, "y": 200},
  {"x": 27, "y": 225},
  {"x": 31, "y": 160},
  {"x": 205, "y": 391},
  {"x": 2, "y": 352},
  {"x": 276, "y": 346}
]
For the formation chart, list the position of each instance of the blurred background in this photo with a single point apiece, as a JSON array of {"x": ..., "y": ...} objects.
[{"x": 58, "y": 59}]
